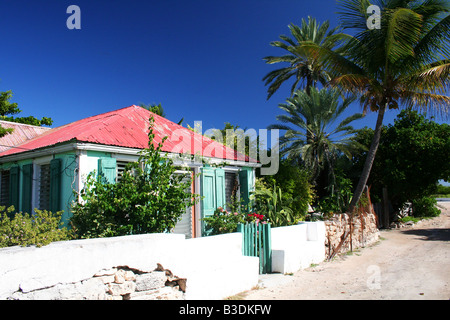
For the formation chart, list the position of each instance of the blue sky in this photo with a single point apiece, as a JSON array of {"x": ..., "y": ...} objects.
[{"x": 202, "y": 60}]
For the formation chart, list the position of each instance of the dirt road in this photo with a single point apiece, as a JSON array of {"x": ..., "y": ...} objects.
[{"x": 411, "y": 263}]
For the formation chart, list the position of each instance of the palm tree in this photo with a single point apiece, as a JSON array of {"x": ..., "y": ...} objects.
[
  {"x": 404, "y": 63},
  {"x": 315, "y": 115},
  {"x": 157, "y": 109},
  {"x": 303, "y": 66}
]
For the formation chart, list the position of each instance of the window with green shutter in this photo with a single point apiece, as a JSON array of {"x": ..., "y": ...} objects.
[
  {"x": 107, "y": 169},
  {"x": 27, "y": 184},
  {"x": 4, "y": 188},
  {"x": 55, "y": 185},
  {"x": 14, "y": 185},
  {"x": 44, "y": 187}
]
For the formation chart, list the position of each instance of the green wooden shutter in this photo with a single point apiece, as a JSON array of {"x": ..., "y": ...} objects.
[
  {"x": 14, "y": 183},
  {"x": 27, "y": 183},
  {"x": 55, "y": 185},
  {"x": 246, "y": 180},
  {"x": 220, "y": 188},
  {"x": 107, "y": 169},
  {"x": 208, "y": 192}
]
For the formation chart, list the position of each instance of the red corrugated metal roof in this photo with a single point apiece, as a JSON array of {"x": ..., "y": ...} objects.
[
  {"x": 22, "y": 132},
  {"x": 128, "y": 127}
]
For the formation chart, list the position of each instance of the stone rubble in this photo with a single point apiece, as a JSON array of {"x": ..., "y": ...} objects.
[{"x": 118, "y": 283}]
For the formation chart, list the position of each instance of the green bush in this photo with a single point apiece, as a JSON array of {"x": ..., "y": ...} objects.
[
  {"x": 292, "y": 182},
  {"x": 339, "y": 198},
  {"x": 149, "y": 198},
  {"x": 223, "y": 221},
  {"x": 425, "y": 207},
  {"x": 269, "y": 201},
  {"x": 24, "y": 229}
]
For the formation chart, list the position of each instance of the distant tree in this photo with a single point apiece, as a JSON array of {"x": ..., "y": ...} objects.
[
  {"x": 413, "y": 156},
  {"x": 317, "y": 115},
  {"x": 411, "y": 159},
  {"x": 7, "y": 109},
  {"x": 157, "y": 109}
]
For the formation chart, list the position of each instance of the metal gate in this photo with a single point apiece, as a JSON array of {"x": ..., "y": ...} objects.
[{"x": 256, "y": 242}]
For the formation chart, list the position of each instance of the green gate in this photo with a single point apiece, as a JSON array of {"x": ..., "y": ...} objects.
[{"x": 256, "y": 242}]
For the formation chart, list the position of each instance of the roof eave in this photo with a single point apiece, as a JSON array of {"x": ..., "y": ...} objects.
[{"x": 78, "y": 145}]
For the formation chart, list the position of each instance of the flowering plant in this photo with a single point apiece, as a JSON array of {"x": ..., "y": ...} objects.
[
  {"x": 254, "y": 217},
  {"x": 223, "y": 221}
]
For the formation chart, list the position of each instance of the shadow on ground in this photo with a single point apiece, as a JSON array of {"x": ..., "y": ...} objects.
[{"x": 437, "y": 234}]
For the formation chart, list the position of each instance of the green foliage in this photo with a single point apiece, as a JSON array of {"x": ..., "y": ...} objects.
[
  {"x": 38, "y": 229},
  {"x": 293, "y": 181},
  {"x": 425, "y": 207},
  {"x": 412, "y": 157},
  {"x": 149, "y": 198},
  {"x": 314, "y": 128},
  {"x": 442, "y": 191},
  {"x": 223, "y": 221},
  {"x": 270, "y": 203},
  {"x": 338, "y": 200},
  {"x": 9, "y": 108},
  {"x": 299, "y": 62}
]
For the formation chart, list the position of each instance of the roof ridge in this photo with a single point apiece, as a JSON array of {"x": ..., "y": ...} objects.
[{"x": 23, "y": 124}]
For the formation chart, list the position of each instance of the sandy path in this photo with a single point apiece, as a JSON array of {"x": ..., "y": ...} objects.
[{"x": 408, "y": 263}]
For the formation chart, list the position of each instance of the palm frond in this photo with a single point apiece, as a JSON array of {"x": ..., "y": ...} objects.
[{"x": 403, "y": 32}]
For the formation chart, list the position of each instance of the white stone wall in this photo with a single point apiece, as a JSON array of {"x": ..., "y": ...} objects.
[
  {"x": 30, "y": 269},
  {"x": 297, "y": 247},
  {"x": 213, "y": 267}
]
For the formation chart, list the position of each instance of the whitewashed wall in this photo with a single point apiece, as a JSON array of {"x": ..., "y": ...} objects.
[
  {"x": 297, "y": 247},
  {"x": 213, "y": 266},
  {"x": 198, "y": 260}
]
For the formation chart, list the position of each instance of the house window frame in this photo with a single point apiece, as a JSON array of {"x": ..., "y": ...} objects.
[
  {"x": 6, "y": 187},
  {"x": 35, "y": 197}
]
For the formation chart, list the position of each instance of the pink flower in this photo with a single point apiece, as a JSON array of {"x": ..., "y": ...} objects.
[{"x": 235, "y": 213}]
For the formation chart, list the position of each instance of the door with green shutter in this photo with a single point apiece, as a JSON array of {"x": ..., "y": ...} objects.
[
  {"x": 213, "y": 191},
  {"x": 208, "y": 203},
  {"x": 220, "y": 188},
  {"x": 246, "y": 181}
]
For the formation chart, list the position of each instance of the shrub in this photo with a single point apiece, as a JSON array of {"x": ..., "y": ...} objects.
[
  {"x": 271, "y": 203},
  {"x": 223, "y": 221},
  {"x": 339, "y": 198},
  {"x": 24, "y": 229},
  {"x": 150, "y": 198},
  {"x": 293, "y": 181},
  {"x": 425, "y": 207}
]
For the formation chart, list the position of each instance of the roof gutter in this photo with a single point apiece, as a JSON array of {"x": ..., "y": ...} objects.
[{"x": 75, "y": 145}]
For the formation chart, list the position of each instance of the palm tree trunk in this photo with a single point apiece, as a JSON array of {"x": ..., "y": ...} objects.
[
  {"x": 369, "y": 160},
  {"x": 309, "y": 84}
]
